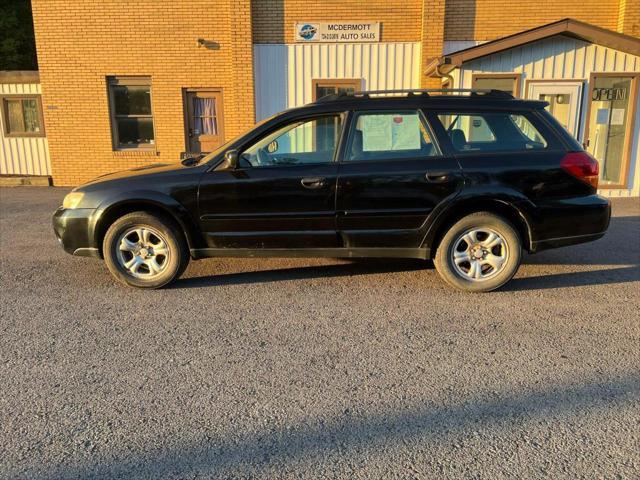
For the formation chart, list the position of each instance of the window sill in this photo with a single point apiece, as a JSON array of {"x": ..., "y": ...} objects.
[
  {"x": 24, "y": 135},
  {"x": 136, "y": 152}
]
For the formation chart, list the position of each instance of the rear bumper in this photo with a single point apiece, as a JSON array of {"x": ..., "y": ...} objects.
[
  {"x": 571, "y": 221},
  {"x": 73, "y": 229}
]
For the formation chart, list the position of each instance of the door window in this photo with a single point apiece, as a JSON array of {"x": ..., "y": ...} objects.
[
  {"x": 491, "y": 132},
  {"x": 610, "y": 125},
  {"x": 559, "y": 106},
  {"x": 389, "y": 135},
  {"x": 564, "y": 100},
  {"x": 302, "y": 142}
]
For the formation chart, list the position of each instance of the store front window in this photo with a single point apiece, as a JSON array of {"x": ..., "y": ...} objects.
[
  {"x": 610, "y": 125},
  {"x": 507, "y": 82}
]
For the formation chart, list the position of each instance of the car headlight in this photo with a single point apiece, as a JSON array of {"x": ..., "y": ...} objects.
[{"x": 72, "y": 200}]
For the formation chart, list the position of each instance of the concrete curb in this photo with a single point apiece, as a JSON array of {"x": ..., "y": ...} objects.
[{"x": 26, "y": 180}]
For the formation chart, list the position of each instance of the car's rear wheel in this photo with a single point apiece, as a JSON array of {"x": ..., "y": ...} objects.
[
  {"x": 479, "y": 253},
  {"x": 145, "y": 250}
]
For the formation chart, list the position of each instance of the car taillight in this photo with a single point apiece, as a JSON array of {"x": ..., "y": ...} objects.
[{"x": 583, "y": 166}]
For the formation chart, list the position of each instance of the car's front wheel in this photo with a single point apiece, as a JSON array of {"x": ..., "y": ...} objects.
[
  {"x": 145, "y": 250},
  {"x": 479, "y": 253}
]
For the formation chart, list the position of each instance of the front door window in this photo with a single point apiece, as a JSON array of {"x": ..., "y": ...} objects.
[
  {"x": 299, "y": 143},
  {"x": 609, "y": 127}
]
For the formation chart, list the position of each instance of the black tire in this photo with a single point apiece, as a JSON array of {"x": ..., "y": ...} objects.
[
  {"x": 164, "y": 231},
  {"x": 508, "y": 252}
]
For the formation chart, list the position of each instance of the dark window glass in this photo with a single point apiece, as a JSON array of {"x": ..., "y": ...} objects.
[
  {"x": 132, "y": 119},
  {"x": 134, "y": 131},
  {"x": 491, "y": 132},
  {"x": 132, "y": 100}
]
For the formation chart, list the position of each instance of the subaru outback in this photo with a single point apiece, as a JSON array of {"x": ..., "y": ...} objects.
[{"x": 470, "y": 180}]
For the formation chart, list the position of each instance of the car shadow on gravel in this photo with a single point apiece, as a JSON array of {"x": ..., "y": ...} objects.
[
  {"x": 616, "y": 275},
  {"x": 353, "y": 268},
  {"x": 238, "y": 455},
  {"x": 612, "y": 251}
]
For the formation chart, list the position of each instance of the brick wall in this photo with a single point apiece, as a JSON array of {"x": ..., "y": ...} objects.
[
  {"x": 432, "y": 38},
  {"x": 274, "y": 20},
  {"x": 491, "y": 19},
  {"x": 629, "y": 17},
  {"x": 81, "y": 43}
]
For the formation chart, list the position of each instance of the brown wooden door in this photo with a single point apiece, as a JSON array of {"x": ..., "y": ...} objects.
[{"x": 205, "y": 121}]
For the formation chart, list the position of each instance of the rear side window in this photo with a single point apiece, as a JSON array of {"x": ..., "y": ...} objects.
[
  {"x": 491, "y": 132},
  {"x": 388, "y": 136}
]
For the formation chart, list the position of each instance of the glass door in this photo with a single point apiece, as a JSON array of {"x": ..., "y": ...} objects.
[
  {"x": 564, "y": 100},
  {"x": 610, "y": 125}
]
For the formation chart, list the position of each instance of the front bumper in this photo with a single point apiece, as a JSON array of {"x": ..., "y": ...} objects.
[{"x": 74, "y": 230}]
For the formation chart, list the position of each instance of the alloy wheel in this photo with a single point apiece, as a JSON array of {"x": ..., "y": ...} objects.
[
  {"x": 142, "y": 252},
  {"x": 479, "y": 254}
]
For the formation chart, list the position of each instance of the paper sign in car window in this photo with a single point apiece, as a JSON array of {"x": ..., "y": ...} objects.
[
  {"x": 405, "y": 132},
  {"x": 376, "y": 133}
]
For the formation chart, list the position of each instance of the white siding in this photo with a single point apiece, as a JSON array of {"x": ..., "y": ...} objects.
[
  {"x": 283, "y": 73},
  {"x": 22, "y": 155},
  {"x": 558, "y": 58}
]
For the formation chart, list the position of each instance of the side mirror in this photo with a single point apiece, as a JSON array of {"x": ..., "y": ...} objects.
[{"x": 231, "y": 157}]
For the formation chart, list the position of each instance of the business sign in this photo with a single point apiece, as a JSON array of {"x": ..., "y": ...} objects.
[
  {"x": 337, "y": 32},
  {"x": 603, "y": 94}
]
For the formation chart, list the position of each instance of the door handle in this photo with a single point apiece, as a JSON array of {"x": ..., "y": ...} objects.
[
  {"x": 438, "y": 177},
  {"x": 312, "y": 182}
]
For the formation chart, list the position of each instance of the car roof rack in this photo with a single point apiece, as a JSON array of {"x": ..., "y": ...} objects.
[{"x": 414, "y": 92}]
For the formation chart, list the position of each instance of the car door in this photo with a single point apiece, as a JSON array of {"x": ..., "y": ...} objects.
[
  {"x": 282, "y": 193},
  {"x": 392, "y": 175}
]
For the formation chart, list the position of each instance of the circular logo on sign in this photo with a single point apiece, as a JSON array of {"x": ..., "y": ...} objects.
[{"x": 307, "y": 31}]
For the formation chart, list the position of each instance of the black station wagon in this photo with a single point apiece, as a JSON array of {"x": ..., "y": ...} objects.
[{"x": 469, "y": 179}]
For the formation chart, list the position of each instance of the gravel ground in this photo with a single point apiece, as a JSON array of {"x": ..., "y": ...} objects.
[{"x": 316, "y": 368}]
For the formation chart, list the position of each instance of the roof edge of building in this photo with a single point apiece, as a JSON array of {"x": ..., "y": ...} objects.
[
  {"x": 566, "y": 26},
  {"x": 19, "y": 76}
]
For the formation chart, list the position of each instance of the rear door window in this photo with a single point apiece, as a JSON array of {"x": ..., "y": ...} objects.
[
  {"x": 491, "y": 132},
  {"x": 388, "y": 136}
]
